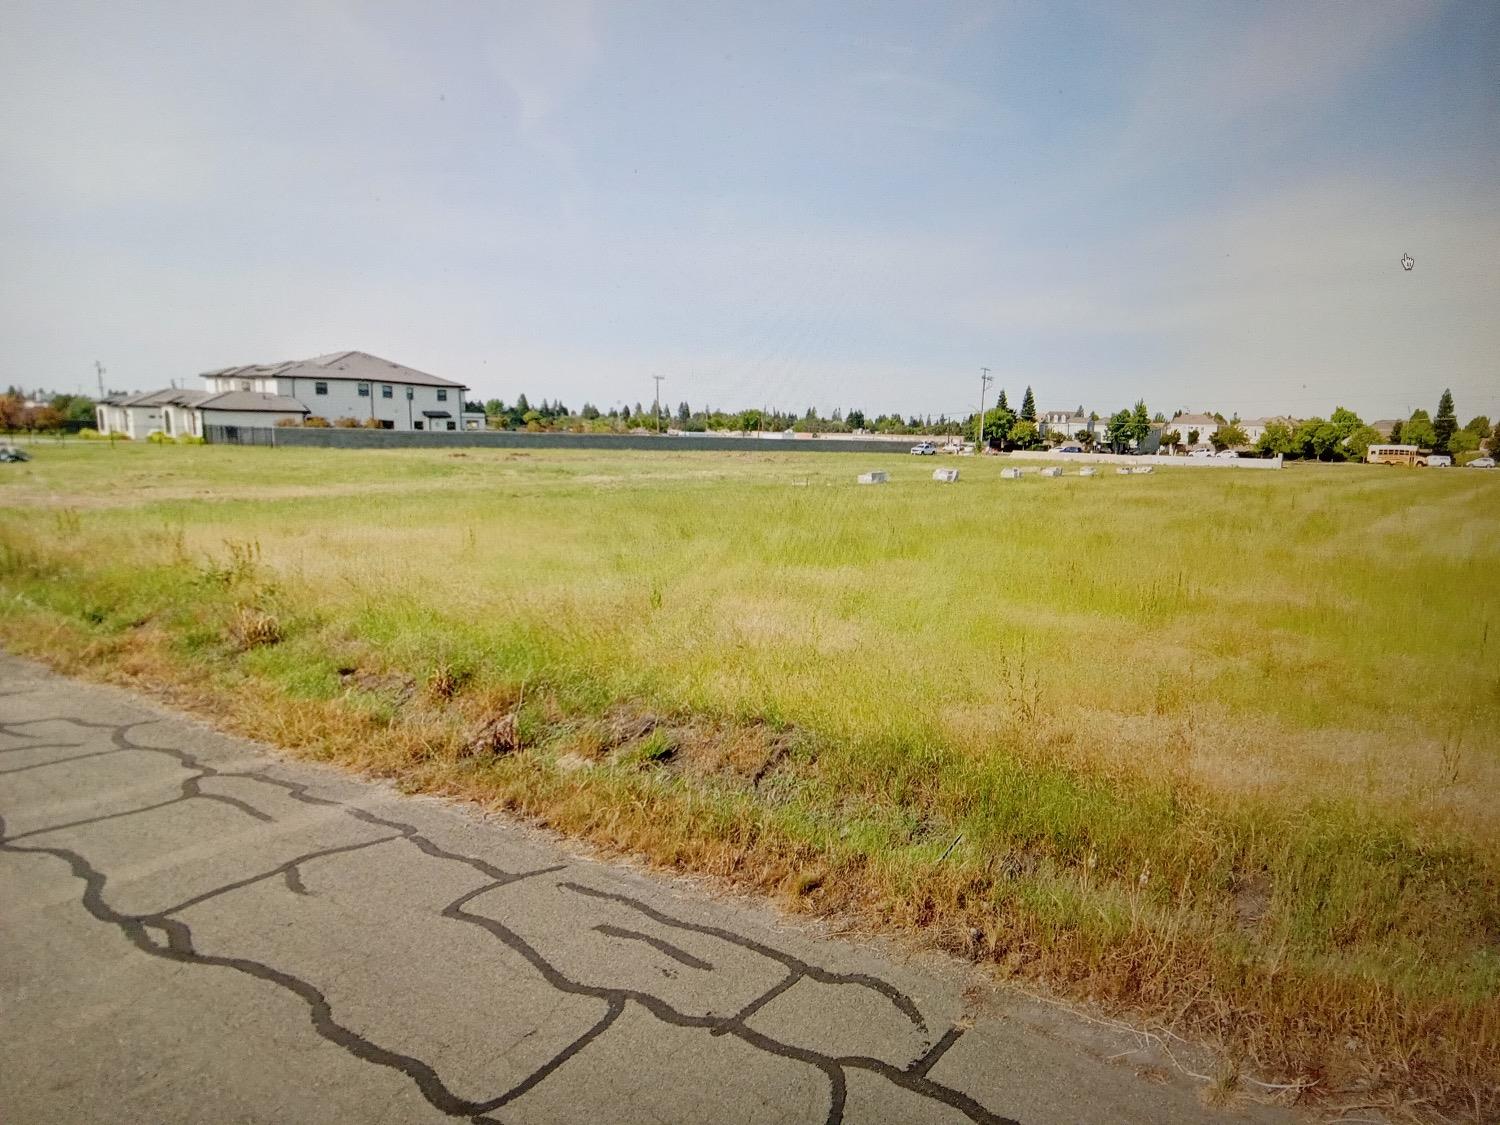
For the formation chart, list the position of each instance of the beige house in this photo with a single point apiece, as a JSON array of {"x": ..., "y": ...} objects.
[{"x": 1206, "y": 425}]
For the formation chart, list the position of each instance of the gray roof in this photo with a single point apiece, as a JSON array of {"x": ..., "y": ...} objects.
[
  {"x": 171, "y": 396},
  {"x": 251, "y": 400},
  {"x": 363, "y": 366}
]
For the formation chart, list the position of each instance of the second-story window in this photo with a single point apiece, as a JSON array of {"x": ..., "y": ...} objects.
[
  {"x": 244, "y": 384},
  {"x": 364, "y": 390},
  {"x": 385, "y": 390},
  {"x": 320, "y": 388},
  {"x": 442, "y": 394}
]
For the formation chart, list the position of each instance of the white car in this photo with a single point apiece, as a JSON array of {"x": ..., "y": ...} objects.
[
  {"x": 1482, "y": 463},
  {"x": 924, "y": 449},
  {"x": 1439, "y": 461},
  {"x": 1201, "y": 453},
  {"x": 1226, "y": 455}
]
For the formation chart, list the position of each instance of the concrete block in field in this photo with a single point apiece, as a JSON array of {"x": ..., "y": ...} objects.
[
  {"x": 1123, "y": 470},
  {"x": 877, "y": 477},
  {"x": 1144, "y": 469},
  {"x": 1010, "y": 474},
  {"x": 1088, "y": 471},
  {"x": 1052, "y": 471},
  {"x": 947, "y": 476}
]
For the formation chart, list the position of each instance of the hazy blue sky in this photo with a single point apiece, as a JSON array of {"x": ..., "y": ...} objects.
[{"x": 797, "y": 204}]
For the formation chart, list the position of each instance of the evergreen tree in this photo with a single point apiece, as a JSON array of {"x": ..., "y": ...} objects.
[
  {"x": 1028, "y": 407},
  {"x": 1445, "y": 423},
  {"x": 1396, "y": 432},
  {"x": 1002, "y": 404},
  {"x": 684, "y": 414}
]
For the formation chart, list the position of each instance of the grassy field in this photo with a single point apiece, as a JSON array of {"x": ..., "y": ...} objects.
[{"x": 1220, "y": 749}]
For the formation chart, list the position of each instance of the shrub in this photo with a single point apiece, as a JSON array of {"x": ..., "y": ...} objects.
[
  {"x": 253, "y": 628},
  {"x": 316, "y": 422},
  {"x": 156, "y": 437},
  {"x": 346, "y": 423},
  {"x": 289, "y": 422},
  {"x": 372, "y": 424},
  {"x": 190, "y": 439},
  {"x": 88, "y": 433}
]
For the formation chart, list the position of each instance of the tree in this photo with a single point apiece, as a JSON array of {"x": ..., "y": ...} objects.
[
  {"x": 1000, "y": 402},
  {"x": 522, "y": 406},
  {"x": 1118, "y": 432},
  {"x": 79, "y": 409},
  {"x": 1396, "y": 432},
  {"x": 1231, "y": 435},
  {"x": 684, "y": 413},
  {"x": 1479, "y": 427},
  {"x": 1192, "y": 437},
  {"x": 1028, "y": 406},
  {"x": 1320, "y": 438},
  {"x": 1495, "y": 439},
  {"x": 1358, "y": 443},
  {"x": 1277, "y": 439},
  {"x": 13, "y": 413},
  {"x": 1346, "y": 422},
  {"x": 589, "y": 412},
  {"x": 1419, "y": 431},
  {"x": 495, "y": 406},
  {"x": 1462, "y": 441},
  {"x": 1445, "y": 423},
  {"x": 1172, "y": 439},
  {"x": 1024, "y": 434},
  {"x": 998, "y": 424},
  {"x": 1140, "y": 423},
  {"x": 856, "y": 419}
]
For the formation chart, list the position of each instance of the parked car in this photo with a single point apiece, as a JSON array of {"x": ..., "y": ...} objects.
[
  {"x": 924, "y": 449},
  {"x": 1226, "y": 455},
  {"x": 1439, "y": 461},
  {"x": 11, "y": 453},
  {"x": 1482, "y": 463},
  {"x": 1201, "y": 453},
  {"x": 1069, "y": 447}
]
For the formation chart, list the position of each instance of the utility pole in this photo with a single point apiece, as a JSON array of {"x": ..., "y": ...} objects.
[
  {"x": 984, "y": 382},
  {"x": 656, "y": 406},
  {"x": 99, "y": 370}
]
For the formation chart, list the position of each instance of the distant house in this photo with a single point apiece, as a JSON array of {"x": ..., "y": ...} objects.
[
  {"x": 1065, "y": 422},
  {"x": 1206, "y": 425},
  {"x": 1256, "y": 427},
  {"x": 1385, "y": 426},
  {"x": 372, "y": 391}
]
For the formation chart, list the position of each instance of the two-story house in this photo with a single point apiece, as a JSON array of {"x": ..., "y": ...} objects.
[{"x": 341, "y": 385}]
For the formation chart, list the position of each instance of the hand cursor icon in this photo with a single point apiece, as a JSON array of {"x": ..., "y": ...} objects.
[{"x": 1407, "y": 261}]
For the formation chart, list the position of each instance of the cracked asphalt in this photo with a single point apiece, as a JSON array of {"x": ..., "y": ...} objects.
[{"x": 192, "y": 928}]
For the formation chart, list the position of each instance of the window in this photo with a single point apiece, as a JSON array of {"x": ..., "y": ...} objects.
[
  {"x": 385, "y": 390},
  {"x": 244, "y": 384},
  {"x": 410, "y": 391},
  {"x": 364, "y": 390},
  {"x": 442, "y": 394},
  {"x": 451, "y": 426},
  {"x": 320, "y": 388},
  {"x": 417, "y": 424}
]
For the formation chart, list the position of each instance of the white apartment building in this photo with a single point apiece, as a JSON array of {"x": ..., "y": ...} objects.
[{"x": 353, "y": 385}]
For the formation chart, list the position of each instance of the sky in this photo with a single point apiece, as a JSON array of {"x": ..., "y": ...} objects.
[{"x": 787, "y": 204}]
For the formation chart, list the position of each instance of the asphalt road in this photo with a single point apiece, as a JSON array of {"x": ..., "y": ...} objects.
[{"x": 192, "y": 929}]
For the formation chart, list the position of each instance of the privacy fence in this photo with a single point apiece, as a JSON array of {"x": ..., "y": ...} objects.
[{"x": 338, "y": 438}]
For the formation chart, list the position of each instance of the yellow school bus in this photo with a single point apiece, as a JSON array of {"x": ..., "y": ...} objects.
[{"x": 1394, "y": 455}]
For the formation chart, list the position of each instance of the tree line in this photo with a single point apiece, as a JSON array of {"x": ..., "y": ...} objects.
[
  {"x": 43, "y": 413},
  {"x": 1344, "y": 436}
]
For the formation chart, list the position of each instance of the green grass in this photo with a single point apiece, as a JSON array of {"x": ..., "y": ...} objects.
[{"x": 1219, "y": 744}]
